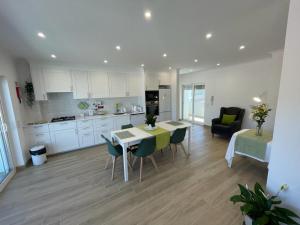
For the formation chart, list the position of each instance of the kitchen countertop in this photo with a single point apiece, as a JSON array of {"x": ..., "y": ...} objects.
[{"x": 78, "y": 118}]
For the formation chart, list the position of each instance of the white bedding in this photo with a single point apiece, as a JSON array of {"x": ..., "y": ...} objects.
[{"x": 231, "y": 151}]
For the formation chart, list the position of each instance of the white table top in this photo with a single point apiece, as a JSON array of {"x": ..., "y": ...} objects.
[{"x": 139, "y": 134}]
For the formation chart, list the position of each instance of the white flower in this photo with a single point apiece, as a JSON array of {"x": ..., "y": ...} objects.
[{"x": 284, "y": 187}]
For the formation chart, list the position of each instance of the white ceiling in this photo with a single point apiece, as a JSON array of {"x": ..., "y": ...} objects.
[{"x": 87, "y": 31}]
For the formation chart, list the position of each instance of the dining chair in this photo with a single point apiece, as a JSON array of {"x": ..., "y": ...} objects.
[
  {"x": 126, "y": 126},
  {"x": 176, "y": 139},
  {"x": 145, "y": 150},
  {"x": 114, "y": 152}
]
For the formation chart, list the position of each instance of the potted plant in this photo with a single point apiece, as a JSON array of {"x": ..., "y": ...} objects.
[
  {"x": 29, "y": 93},
  {"x": 259, "y": 114},
  {"x": 262, "y": 209},
  {"x": 150, "y": 120}
]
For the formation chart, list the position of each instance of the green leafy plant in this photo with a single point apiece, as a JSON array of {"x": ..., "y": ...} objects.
[
  {"x": 263, "y": 209},
  {"x": 151, "y": 120},
  {"x": 29, "y": 93}
]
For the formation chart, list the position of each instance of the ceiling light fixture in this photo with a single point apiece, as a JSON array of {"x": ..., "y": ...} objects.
[
  {"x": 165, "y": 55},
  {"x": 53, "y": 56},
  {"x": 41, "y": 35},
  {"x": 257, "y": 99},
  {"x": 242, "y": 47},
  {"x": 148, "y": 15},
  {"x": 208, "y": 35},
  {"x": 218, "y": 64},
  {"x": 195, "y": 60},
  {"x": 118, "y": 47},
  {"x": 142, "y": 65},
  {"x": 170, "y": 67},
  {"x": 105, "y": 61}
]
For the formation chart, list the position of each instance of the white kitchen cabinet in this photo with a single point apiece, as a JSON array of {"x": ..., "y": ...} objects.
[
  {"x": 121, "y": 120},
  {"x": 86, "y": 137},
  {"x": 57, "y": 80},
  {"x": 80, "y": 80},
  {"x": 98, "y": 85},
  {"x": 117, "y": 85},
  {"x": 134, "y": 85},
  {"x": 137, "y": 119},
  {"x": 103, "y": 126},
  {"x": 38, "y": 83},
  {"x": 64, "y": 136}
]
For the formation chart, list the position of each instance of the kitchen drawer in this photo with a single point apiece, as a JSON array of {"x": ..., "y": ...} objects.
[
  {"x": 99, "y": 132},
  {"x": 62, "y": 125},
  {"x": 103, "y": 123},
  {"x": 84, "y": 124},
  {"x": 85, "y": 130},
  {"x": 86, "y": 138},
  {"x": 36, "y": 129}
]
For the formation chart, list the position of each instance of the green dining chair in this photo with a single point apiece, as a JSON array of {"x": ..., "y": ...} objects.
[
  {"x": 126, "y": 126},
  {"x": 114, "y": 152},
  {"x": 145, "y": 150},
  {"x": 176, "y": 139}
]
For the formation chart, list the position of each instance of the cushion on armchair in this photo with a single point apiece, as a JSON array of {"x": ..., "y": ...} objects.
[{"x": 228, "y": 119}]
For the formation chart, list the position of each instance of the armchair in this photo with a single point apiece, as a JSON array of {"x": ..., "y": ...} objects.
[{"x": 228, "y": 130}]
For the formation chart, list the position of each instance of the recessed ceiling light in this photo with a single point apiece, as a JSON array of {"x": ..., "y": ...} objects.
[
  {"x": 105, "y": 61},
  {"x": 118, "y": 47},
  {"x": 208, "y": 35},
  {"x": 41, "y": 35},
  {"x": 165, "y": 55},
  {"x": 195, "y": 60},
  {"x": 218, "y": 64},
  {"x": 142, "y": 65},
  {"x": 242, "y": 47},
  {"x": 170, "y": 67},
  {"x": 53, "y": 56},
  {"x": 148, "y": 15}
]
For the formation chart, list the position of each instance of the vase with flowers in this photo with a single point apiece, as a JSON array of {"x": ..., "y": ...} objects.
[{"x": 259, "y": 113}]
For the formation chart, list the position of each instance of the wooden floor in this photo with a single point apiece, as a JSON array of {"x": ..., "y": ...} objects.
[{"x": 74, "y": 188}]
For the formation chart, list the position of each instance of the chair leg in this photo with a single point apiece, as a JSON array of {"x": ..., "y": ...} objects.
[
  {"x": 134, "y": 161},
  {"x": 173, "y": 153},
  {"x": 141, "y": 169},
  {"x": 161, "y": 151},
  {"x": 129, "y": 164},
  {"x": 176, "y": 147},
  {"x": 170, "y": 148},
  {"x": 114, "y": 159},
  {"x": 153, "y": 162},
  {"x": 187, "y": 155},
  {"x": 107, "y": 162}
]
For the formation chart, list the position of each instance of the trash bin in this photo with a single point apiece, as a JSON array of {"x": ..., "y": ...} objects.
[{"x": 38, "y": 155}]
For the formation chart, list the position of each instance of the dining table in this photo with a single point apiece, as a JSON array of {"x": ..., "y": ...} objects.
[{"x": 134, "y": 135}]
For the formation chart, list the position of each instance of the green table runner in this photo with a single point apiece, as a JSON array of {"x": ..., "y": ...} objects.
[
  {"x": 162, "y": 136},
  {"x": 250, "y": 144}
]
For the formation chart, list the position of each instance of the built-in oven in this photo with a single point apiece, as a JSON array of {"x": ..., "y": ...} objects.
[{"x": 152, "y": 102}]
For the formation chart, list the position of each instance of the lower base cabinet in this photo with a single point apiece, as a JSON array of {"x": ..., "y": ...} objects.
[
  {"x": 64, "y": 140},
  {"x": 86, "y": 138}
]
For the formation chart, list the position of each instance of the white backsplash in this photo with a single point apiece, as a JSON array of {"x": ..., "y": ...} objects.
[{"x": 63, "y": 104}]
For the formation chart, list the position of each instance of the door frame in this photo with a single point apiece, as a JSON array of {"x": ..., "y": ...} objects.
[
  {"x": 7, "y": 139},
  {"x": 193, "y": 98}
]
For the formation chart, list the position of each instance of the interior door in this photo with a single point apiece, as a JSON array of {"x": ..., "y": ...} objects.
[
  {"x": 193, "y": 103},
  {"x": 7, "y": 169}
]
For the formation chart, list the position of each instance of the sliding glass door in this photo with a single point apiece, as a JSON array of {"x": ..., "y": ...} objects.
[
  {"x": 193, "y": 103},
  {"x": 6, "y": 167}
]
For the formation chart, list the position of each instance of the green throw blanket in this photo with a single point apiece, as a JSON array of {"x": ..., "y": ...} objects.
[
  {"x": 162, "y": 136},
  {"x": 250, "y": 144}
]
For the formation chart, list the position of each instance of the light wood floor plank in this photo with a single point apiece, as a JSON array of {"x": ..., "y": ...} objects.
[{"x": 75, "y": 189}]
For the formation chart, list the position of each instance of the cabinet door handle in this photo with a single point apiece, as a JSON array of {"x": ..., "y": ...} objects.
[{"x": 38, "y": 135}]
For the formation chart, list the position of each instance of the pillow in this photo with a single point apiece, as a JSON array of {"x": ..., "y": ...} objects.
[{"x": 228, "y": 119}]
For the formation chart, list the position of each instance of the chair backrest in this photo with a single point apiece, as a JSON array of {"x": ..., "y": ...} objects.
[
  {"x": 110, "y": 147},
  {"x": 146, "y": 147},
  {"x": 178, "y": 136},
  {"x": 126, "y": 126},
  {"x": 233, "y": 111}
]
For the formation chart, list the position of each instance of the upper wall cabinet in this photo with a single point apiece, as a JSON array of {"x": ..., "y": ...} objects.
[
  {"x": 38, "y": 84},
  {"x": 80, "y": 84},
  {"x": 98, "y": 85},
  {"x": 89, "y": 84},
  {"x": 57, "y": 80},
  {"x": 117, "y": 84},
  {"x": 134, "y": 85}
]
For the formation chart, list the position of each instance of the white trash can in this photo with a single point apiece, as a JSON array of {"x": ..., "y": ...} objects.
[{"x": 38, "y": 155}]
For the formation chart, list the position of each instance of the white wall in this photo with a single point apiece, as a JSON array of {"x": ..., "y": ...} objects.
[
  {"x": 284, "y": 166},
  {"x": 13, "y": 109},
  {"x": 236, "y": 86}
]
